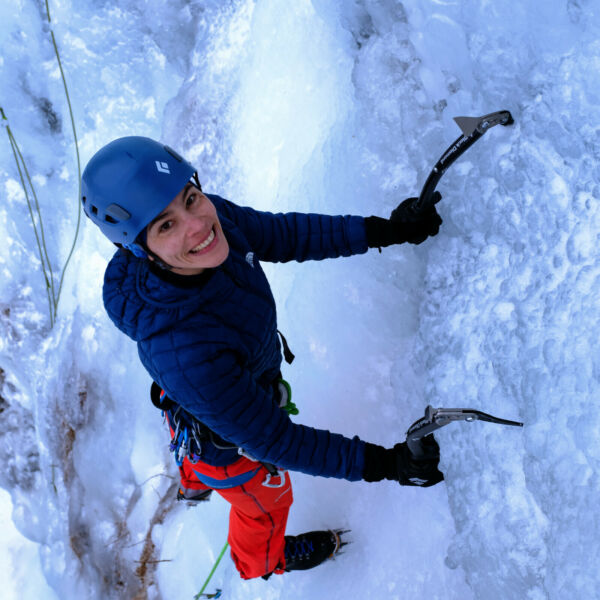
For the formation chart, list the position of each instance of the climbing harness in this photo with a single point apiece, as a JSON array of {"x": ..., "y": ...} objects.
[{"x": 189, "y": 434}]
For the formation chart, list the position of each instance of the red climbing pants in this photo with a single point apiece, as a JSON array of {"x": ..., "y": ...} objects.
[{"x": 260, "y": 504}]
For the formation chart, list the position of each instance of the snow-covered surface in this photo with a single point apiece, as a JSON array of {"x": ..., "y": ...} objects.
[{"x": 338, "y": 107}]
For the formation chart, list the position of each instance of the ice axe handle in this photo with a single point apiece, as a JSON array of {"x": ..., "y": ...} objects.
[
  {"x": 427, "y": 199},
  {"x": 473, "y": 128},
  {"x": 418, "y": 430},
  {"x": 415, "y": 446}
]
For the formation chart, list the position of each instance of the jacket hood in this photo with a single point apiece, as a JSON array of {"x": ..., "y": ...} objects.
[{"x": 137, "y": 300}]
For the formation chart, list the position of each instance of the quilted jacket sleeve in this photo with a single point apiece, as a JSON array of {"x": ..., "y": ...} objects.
[
  {"x": 221, "y": 394},
  {"x": 295, "y": 236}
]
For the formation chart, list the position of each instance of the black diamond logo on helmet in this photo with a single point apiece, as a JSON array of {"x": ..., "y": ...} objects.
[{"x": 162, "y": 167}]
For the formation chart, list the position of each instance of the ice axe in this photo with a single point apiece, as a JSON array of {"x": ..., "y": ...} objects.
[
  {"x": 473, "y": 128},
  {"x": 435, "y": 418}
]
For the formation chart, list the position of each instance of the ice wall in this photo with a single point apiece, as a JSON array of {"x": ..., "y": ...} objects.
[{"x": 338, "y": 107}]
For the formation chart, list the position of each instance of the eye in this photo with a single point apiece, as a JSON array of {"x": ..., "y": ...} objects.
[
  {"x": 165, "y": 226},
  {"x": 190, "y": 199}
]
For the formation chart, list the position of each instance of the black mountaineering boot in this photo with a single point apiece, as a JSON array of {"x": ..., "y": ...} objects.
[
  {"x": 310, "y": 549},
  {"x": 193, "y": 497}
]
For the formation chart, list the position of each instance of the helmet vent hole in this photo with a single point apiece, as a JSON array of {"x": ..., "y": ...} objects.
[
  {"x": 174, "y": 154},
  {"x": 116, "y": 213},
  {"x": 94, "y": 210}
]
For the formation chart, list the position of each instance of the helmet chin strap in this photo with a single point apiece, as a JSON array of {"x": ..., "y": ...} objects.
[
  {"x": 135, "y": 249},
  {"x": 159, "y": 262},
  {"x": 140, "y": 249}
]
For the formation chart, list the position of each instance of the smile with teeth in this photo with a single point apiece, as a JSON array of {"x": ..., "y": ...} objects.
[{"x": 209, "y": 240}]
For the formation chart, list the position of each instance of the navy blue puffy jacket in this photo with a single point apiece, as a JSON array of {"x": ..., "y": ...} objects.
[{"x": 214, "y": 348}]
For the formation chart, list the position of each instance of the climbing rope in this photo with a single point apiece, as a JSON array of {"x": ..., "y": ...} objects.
[
  {"x": 34, "y": 209},
  {"x": 53, "y": 292},
  {"x": 62, "y": 74},
  {"x": 217, "y": 594}
]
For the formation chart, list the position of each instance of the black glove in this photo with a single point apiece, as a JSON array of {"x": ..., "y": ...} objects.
[
  {"x": 404, "y": 225},
  {"x": 424, "y": 471},
  {"x": 398, "y": 464}
]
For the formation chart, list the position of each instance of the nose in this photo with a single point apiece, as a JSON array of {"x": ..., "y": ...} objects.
[{"x": 198, "y": 225}]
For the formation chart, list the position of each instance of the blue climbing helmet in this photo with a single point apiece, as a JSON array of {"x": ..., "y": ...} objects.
[{"x": 127, "y": 183}]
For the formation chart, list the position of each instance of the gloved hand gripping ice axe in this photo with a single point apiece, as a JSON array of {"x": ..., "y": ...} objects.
[
  {"x": 435, "y": 418},
  {"x": 472, "y": 129}
]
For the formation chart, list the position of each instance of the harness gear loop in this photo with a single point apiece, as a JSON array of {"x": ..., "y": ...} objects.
[
  {"x": 287, "y": 353},
  {"x": 279, "y": 473}
]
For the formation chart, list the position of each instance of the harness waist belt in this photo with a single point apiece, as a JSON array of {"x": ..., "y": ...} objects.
[{"x": 221, "y": 484}]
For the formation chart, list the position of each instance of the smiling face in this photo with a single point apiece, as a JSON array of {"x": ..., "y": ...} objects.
[{"x": 187, "y": 235}]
